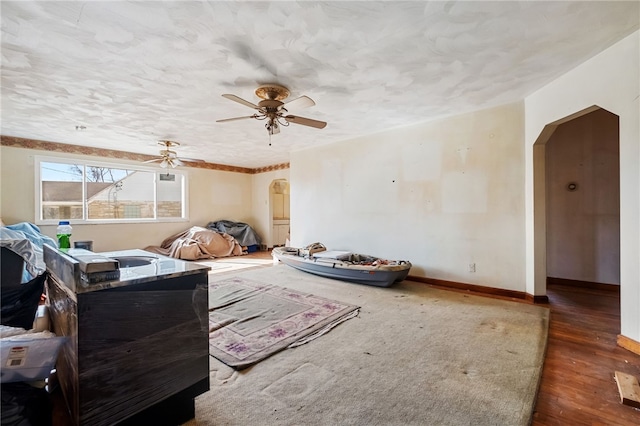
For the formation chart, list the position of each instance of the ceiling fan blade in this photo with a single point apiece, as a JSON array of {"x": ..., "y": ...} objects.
[
  {"x": 301, "y": 102},
  {"x": 236, "y": 118},
  {"x": 305, "y": 121},
  {"x": 155, "y": 160},
  {"x": 240, "y": 101}
]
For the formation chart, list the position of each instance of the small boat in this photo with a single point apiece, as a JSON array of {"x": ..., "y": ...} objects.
[{"x": 343, "y": 265}]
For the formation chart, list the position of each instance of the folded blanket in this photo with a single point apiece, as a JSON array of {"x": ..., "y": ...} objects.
[{"x": 198, "y": 243}]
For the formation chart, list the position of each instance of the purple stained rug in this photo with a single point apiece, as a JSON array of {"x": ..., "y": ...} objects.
[{"x": 249, "y": 320}]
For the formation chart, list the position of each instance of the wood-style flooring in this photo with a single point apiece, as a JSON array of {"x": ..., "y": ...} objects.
[{"x": 578, "y": 385}]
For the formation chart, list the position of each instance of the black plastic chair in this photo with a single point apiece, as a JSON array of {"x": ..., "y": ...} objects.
[
  {"x": 19, "y": 301},
  {"x": 12, "y": 265}
]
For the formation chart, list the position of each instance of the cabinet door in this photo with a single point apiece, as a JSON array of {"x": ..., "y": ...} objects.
[
  {"x": 284, "y": 231},
  {"x": 280, "y": 234}
]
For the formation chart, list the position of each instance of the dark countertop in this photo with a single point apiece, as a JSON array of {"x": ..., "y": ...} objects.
[{"x": 66, "y": 269}]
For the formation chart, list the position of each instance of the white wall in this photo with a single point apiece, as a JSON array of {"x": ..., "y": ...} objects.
[
  {"x": 442, "y": 195},
  {"x": 213, "y": 195},
  {"x": 610, "y": 80}
]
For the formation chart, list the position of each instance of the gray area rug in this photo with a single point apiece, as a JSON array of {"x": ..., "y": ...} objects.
[
  {"x": 414, "y": 356},
  {"x": 250, "y": 320}
]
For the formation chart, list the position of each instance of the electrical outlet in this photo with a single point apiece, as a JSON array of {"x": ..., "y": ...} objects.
[{"x": 472, "y": 267}]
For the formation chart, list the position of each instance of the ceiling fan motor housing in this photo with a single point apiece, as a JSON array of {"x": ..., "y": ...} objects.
[{"x": 272, "y": 92}]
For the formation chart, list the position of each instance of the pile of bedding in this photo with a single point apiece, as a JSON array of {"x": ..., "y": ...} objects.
[
  {"x": 23, "y": 273},
  {"x": 198, "y": 243},
  {"x": 26, "y": 240},
  {"x": 242, "y": 232}
]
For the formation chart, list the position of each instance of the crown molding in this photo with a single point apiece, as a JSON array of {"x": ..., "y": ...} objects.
[{"x": 13, "y": 141}]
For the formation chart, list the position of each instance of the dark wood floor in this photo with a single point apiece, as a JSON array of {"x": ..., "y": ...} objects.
[{"x": 578, "y": 385}]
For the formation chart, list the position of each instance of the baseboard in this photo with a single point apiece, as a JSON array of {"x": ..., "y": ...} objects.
[
  {"x": 583, "y": 284},
  {"x": 538, "y": 300},
  {"x": 629, "y": 344},
  {"x": 481, "y": 290}
]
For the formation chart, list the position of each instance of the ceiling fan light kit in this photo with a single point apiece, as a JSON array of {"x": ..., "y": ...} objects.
[
  {"x": 171, "y": 161},
  {"x": 274, "y": 110},
  {"x": 168, "y": 157}
]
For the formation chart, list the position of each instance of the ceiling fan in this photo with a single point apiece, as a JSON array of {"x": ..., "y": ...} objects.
[
  {"x": 274, "y": 110},
  {"x": 168, "y": 157}
]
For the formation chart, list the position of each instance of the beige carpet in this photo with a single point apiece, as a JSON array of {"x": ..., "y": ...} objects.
[
  {"x": 414, "y": 356},
  {"x": 229, "y": 264}
]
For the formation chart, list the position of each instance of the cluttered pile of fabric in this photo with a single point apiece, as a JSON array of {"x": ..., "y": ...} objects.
[
  {"x": 222, "y": 238},
  {"x": 242, "y": 232},
  {"x": 30, "y": 349},
  {"x": 198, "y": 243},
  {"x": 23, "y": 272}
]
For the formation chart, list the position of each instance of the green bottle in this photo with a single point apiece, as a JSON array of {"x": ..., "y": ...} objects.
[{"x": 64, "y": 234}]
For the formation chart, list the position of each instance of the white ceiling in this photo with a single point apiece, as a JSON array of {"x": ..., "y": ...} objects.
[{"x": 136, "y": 72}]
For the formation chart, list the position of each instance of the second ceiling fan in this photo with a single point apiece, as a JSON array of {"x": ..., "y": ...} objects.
[
  {"x": 274, "y": 110},
  {"x": 169, "y": 158}
]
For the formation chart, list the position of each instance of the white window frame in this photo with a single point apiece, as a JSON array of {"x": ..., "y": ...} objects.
[{"x": 38, "y": 160}]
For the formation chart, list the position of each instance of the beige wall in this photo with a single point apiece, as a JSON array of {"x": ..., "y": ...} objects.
[
  {"x": 213, "y": 195},
  {"x": 583, "y": 226},
  {"x": 442, "y": 195}
]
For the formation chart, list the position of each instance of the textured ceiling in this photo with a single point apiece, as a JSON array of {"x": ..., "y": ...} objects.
[{"x": 136, "y": 72}]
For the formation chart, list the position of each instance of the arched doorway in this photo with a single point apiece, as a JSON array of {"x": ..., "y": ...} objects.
[
  {"x": 279, "y": 212},
  {"x": 577, "y": 200}
]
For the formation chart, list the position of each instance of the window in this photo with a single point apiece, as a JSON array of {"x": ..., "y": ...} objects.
[{"x": 91, "y": 192}]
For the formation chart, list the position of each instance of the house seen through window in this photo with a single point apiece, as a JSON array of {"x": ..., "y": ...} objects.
[{"x": 91, "y": 192}]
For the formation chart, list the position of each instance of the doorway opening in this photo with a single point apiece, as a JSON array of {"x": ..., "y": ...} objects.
[
  {"x": 279, "y": 209},
  {"x": 577, "y": 201}
]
